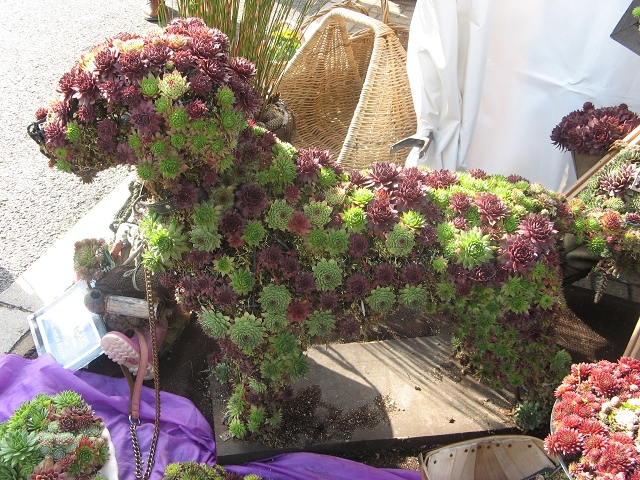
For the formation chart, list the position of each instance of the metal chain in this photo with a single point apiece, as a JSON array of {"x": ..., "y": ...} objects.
[{"x": 156, "y": 384}]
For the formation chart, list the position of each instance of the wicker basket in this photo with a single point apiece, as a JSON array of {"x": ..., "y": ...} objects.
[{"x": 349, "y": 94}]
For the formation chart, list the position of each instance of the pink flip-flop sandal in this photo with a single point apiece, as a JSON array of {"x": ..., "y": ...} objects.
[{"x": 125, "y": 350}]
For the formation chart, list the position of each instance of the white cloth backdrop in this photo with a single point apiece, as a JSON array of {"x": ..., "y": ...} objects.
[
  {"x": 446, "y": 59},
  {"x": 544, "y": 58}
]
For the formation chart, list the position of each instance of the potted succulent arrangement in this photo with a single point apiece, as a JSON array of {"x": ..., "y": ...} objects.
[
  {"x": 54, "y": 436},
  {"x": 595, "y": 420},
  {"x": 276, "y": 248},
  {"x": 588, "y": 133},
  {"x": 607, "y": 221}
]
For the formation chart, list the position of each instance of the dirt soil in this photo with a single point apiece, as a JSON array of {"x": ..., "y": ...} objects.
[{"x": 589, "y": 332}]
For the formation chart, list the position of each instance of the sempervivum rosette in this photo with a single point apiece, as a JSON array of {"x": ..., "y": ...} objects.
[{"x": 595, "y": 420}]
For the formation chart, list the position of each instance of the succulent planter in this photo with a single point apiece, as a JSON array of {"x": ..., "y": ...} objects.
[
  {"x": 582, "y": 162},
  {"x": 594, "y": 427}
]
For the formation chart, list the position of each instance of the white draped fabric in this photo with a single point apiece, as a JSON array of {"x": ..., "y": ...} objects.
[
  {"x": 521, "y": 66},
  {"x": 446, "y": 59}
]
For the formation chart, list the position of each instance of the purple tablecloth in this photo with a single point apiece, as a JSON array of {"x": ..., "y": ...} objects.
[{"x": 185, "y": 434}]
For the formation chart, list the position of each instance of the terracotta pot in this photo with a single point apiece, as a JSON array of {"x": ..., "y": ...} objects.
[{"x": 582, "y": 162}]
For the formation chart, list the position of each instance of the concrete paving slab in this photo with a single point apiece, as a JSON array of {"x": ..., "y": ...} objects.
[
  {"x": 14, "y": 327},
  {"x": 426, "y": 398},
  {"x": 16, "y": 297}
]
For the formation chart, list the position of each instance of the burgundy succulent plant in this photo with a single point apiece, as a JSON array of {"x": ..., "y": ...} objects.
[
  {"x": 271, "y": 257},
  {"x": 251, "y": 200},
  {"x": 383, "y": 175},
  {"x": 412, "y": 274},
  {"x": 358, "y": 245},
  {"x": 539, "y": 230},
  {"x": 299, "y": 224},
  {"x": 491, "y": 207},
  {"x": 381, "y": 216},
  {"x": 518, "y": 253},
  {"x": 592, "y": 130},
  {"x": 305, "y": 283},
  {"x": 308, "y": 164},
  {"x": 357, "y": 286},
  {"x": 385, "y": 274}
]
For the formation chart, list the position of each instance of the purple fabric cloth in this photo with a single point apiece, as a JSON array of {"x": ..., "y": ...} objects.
[
  {"x": 185, "y": 435},
  {"x": 313, "y": 466}
]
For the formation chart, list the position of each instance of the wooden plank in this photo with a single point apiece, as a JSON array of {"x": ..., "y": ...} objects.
[
  {"x": 633, "y": 347},
  {"x": 487, "y": 465},
  {"x": 133, "y": 307},
  {"x": 522, "y": 458}
]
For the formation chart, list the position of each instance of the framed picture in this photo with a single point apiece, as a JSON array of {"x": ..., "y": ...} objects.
[{"x": 67, "y": 329}]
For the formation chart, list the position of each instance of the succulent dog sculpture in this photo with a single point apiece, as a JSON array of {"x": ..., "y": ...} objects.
[{"x": 276, "y": 248}]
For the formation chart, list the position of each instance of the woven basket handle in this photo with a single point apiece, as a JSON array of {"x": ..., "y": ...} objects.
[
  {"x": 345, "y": 4},
  {"x": 379, "y": 28},
  {"x": 385, "y": 11}
]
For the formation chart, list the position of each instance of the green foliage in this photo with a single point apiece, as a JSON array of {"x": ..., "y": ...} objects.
[
  {"x": 247, "y": 332},
  {"x": 446, "y": 232},
  {"x": 414, "y": 220},
  {"x": 328, "y": 275},
  {"x": 317, "y": 239},
  {"x": 413, "y": 297},
  {"x": 284, "y": 343},
  {"x": 275, "y": 322},
  {"x": 381, "y": 299},
  {"x": 19, "y": 447},
  {"x": 272, "y": 368},
  {"x": 337, "y": 241},
  {"x": 167, "y": 242},
  {"x": 254, "y": 233},
  {"x": 297, "y": 365},
  {"x": 400, "y": 241},
  {"x": 355, "y": 219},
  {"x": 224, "y": 265},
  {"x": 320, "y": 323},
  {"x": 32, "y": 438},
  {"x": 328, "y": 177},
  {"x": 275, "y": 298},
  {"x": 242, "y": 281},
  {"x": 561, "y": 362},
  {"x": 206, "y": 214},
  {"x": 472, "y": 247},
  {"x": 279, "y": 215},
  {"x": 529, "y": 416},
  {"x": 214, "y": 324},
  {"x": 257, "y": 417},
  {"x": 222, "y": 372},
  {"x": 362, "y": 196},
  {"x": 318, "y": 212},
  {"x": 205, "y": 238}
]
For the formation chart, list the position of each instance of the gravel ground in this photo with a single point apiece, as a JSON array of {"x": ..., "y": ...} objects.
[{"x": 40, "y": 41}]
